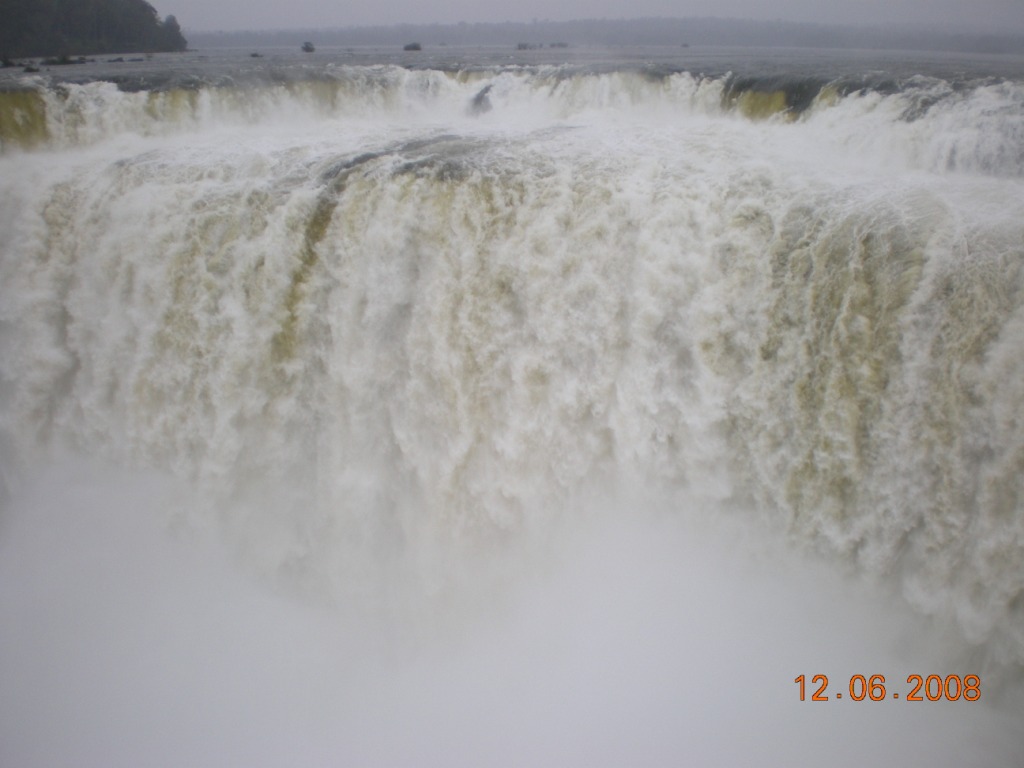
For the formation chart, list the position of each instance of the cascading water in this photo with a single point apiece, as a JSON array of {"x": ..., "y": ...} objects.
[{"x": 565, "y": 396}]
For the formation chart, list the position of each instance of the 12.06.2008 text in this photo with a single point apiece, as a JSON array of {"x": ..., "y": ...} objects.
[{"x": 873, "y": 688}]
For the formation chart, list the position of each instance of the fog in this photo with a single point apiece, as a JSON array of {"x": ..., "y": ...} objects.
[
  {"x": 970, "y": 15},
  {"x": 645, "y": 642}
]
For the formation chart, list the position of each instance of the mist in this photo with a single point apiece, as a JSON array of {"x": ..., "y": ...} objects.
[{"x": 647, "y": 641}]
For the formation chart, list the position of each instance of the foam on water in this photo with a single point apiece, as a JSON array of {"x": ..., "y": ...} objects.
[{"x": 924, "y": 123}]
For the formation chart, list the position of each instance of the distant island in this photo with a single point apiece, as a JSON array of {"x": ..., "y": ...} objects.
[{"x": 59, "y": 28}]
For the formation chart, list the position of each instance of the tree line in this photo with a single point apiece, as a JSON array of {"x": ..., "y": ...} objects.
[{"x": 64, "y": 27}]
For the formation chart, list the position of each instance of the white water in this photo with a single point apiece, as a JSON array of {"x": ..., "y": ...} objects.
[{"x": 530, "y": 426}]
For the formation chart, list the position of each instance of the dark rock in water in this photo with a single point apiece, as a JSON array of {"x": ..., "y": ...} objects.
[
  {"x": 30, "y": 69},
  {"x": 63, "y": 60},
  {"x": 308, "y": 47},
  {"x": 412, "y": 47},
  {"x": 256, "y": 55},
  {"x": 481, "y": 103},
  {"x": 118, "y": 60}
]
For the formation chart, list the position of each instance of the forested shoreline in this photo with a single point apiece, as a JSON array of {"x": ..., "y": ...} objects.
[{"x": 60, "y": 28}]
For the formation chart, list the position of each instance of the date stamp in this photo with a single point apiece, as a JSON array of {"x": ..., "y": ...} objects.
[{"x": 874, "y": 688}]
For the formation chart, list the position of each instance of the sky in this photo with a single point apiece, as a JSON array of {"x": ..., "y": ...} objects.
[{"x": 206, "y": 15}]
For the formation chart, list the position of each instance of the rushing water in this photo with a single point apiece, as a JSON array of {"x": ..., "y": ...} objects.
[{"x": 488, "y": 412}]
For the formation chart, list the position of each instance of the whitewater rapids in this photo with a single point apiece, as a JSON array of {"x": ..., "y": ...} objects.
[{"x": 341, "y": 424}]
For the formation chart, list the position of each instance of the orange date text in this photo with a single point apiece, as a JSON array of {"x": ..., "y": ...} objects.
[{"x": 875, "y": 688}]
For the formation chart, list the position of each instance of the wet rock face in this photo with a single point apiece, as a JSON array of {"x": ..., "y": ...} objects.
[{"x": 481, "y": 103}]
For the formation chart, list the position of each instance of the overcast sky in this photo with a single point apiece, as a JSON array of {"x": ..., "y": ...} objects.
[{"x": 991, "y": 15}]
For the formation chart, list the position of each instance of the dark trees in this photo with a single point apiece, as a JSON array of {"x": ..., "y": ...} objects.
[{"x": 62, "y": 27}]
